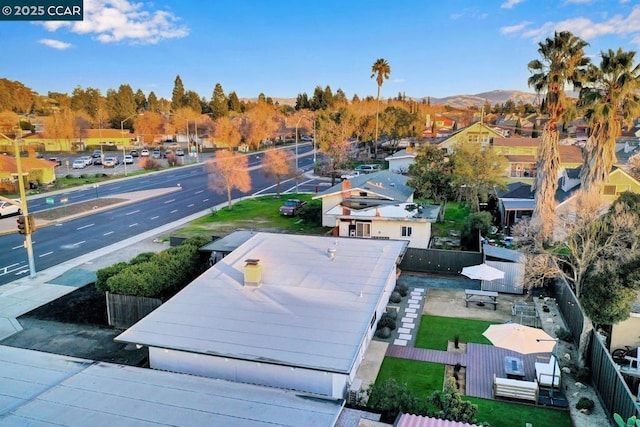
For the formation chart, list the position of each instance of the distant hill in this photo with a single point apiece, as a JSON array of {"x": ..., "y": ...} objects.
[{"x": 478, "y": 100}]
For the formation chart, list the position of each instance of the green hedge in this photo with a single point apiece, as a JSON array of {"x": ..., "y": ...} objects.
[{"x": 154, "y": 275}]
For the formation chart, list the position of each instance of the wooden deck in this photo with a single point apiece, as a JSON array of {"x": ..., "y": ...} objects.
[{"x": 481, "y": 362}]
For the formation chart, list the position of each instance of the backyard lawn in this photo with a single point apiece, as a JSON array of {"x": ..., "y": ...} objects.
[
  {"x": 447, "y": 328},
  {"x": 455, "y": 216}
]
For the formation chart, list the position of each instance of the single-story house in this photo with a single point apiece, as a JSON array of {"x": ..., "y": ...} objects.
[
  {"x": 39, "y": 170},
  {"x": 364, "y": 191},
  {"x": 402, "y": 221},
  {"x": 400, "y": 161},
  {"x": 286, "y": 311},
  {"x": 222, "y": 247},
  {"x": 48, "y": 389}
]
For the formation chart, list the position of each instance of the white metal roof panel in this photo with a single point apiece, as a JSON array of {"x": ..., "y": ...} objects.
[
  {"x": 311, "y": 311},
  {"x": 114, "y": 395}
]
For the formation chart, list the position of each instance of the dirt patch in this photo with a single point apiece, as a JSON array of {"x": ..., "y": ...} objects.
[{"x": 83, "y": 306}]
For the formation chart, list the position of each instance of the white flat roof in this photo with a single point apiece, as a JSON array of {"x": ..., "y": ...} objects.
[
  {"x": 311, "y": 311},
  {"x": 41, "y": 389}
]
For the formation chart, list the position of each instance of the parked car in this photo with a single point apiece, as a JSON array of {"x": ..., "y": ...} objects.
[
  {"x": 128, "y": 159},
  {"x": 156, "y": 154},
  {"x": 144, "y": 153},
  {"x": 306, "y": 138},
  {"x": 133, "y": 153},
  {"x": 291, "y": 207},
  {"x": 55, "y": 160},
  {"x": 97, "y": 154},
  {"x": 7, "y": 208},
  {"x": 79, "y": 164},
  {"x": 179, "y": 152},
  {"x": 167, "y": 153},
  {"x": 97, "y": 161},
  {"x": 367, "y": 168},
  {"x": 88, "y": 160},
  {"x": 110, "y": 162},
  {"x": 350, "y": 175}
]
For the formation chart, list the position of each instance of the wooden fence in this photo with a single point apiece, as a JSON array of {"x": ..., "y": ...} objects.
[
  {"x": 124, "y": 310},
  {"x": 439, "y": 261},
  {"x": 605, "y": 376}
]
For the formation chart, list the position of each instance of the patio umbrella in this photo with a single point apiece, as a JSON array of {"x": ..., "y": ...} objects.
[
  {"x": 519, "y": 338},
  {"x": 483, "y": 272}
]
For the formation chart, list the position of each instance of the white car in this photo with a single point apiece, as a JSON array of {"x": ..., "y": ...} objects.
[
  {"x": 7, "y": 208},
  {"x": 88, "y": 160},
  {"x": 350, "y": 175},
  {"x": 144, "y": 153},
  {"x": 79, "y": 164},
  {"x": 109, "y": 162},
  {"x": 128, "y": 159}
]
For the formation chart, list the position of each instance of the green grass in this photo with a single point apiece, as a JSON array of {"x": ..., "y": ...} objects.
[
  {"x": 455, "y": 216},
  {"x": 506, "y": 414},
  {"x": 261, "y": 212},
  {"x": 421, "y": 377},
  {"x": 435, "y": 331}
]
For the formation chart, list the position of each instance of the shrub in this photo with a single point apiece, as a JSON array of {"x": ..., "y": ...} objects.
[
  {"x": 383, "y": 333},
  {"x": 395, "y": 297},
  {"x": 172, "y": 160},
  {"x": 390, "y": 398},
  {"x": 392, "y": 313},
  {"x": 386, "y": 321},
  {"x": 564, "y": 334},
  {"x": 70, "y": 176},
  {"x": 403, "y": 290},
  {"x": 311, "y": 213},
  {"x": 143, "y": 257},
  {"x": 148, "y": 163},
  {"x": 104, "y": 274},
  {"x": 84, "y": 176},
  {"x": 585, "y": 403}
]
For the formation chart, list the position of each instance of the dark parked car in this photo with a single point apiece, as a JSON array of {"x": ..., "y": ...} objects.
[
  {"x": 55, "y": 160},
  {"x": 291, "y": 207},
  {"x": 97, "y": 161},
  {"x": 133, "y": 153}
]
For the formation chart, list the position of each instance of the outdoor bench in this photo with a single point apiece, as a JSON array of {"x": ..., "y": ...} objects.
[
  {"x": 484, "y": 297},
  {"x": 515, "y": 389}
]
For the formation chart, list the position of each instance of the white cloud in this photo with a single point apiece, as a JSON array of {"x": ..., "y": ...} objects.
[
  {"x": 56, "y": 44},
  {"x": 515, "y": 28},
  {"x": 398, "y": 80},
  {"x": 113, "y": 21},
  {"x": 510, "y": 3},
  {"x": 586, "y": 28},
  {"x": 578, "y": 1}
]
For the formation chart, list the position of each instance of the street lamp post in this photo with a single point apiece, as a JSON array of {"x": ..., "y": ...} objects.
[
  {"x": 314, "y": 143},
  {"x": 123, "y": 146}
]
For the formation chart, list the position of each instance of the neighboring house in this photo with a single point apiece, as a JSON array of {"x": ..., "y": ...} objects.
[
  {"x": 438, "y": 126},
  {"x": 364, "y": 191},
  {"x": 626, "y": 332},
  {"x": 518, "y": 201},
  {"x": 48, "y": 389},
  {"x": 511, "y": 262},
  {"x": 477, "y": 132},
  {"x": 403, "y": 221},
  {"x": 42, "y": 171},
  {"x": 86, "y": 138},
  {"x": 400, "y": 161},
  {"x": 410, "y": 420},
  {"x": 286, "y": 311}
]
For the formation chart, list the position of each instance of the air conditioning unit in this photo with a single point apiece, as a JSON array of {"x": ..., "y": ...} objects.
[{"x": 354, "y": 391}]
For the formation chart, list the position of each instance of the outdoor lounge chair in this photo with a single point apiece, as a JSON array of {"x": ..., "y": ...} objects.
[{"x": 547, "y": 374}]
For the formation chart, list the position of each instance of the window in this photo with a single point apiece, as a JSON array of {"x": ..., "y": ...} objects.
[
  {"x": 406, "y": 231},
  {"x": 609, "y": 190},
  {"x": 363, "y": 229}
]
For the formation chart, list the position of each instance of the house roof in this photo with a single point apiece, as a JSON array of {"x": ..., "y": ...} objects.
[
  {"x": 500, "y": 253},
  {"x": 47, "y": 389},
  {"x": 387, "y": 184},
  {"x": 517, "y": 190},
  {"x": 228, "y": 243},
  {"x": 389, "y": 212},
  {"x": 568, "y": 154},
  {"x": 8, "y": 164},
  {"x": 402, "y": 154},
  {"x": 410, "y": 420},
  {"x": 311, "y": 311},
  {"x": 516, "y": 142}
]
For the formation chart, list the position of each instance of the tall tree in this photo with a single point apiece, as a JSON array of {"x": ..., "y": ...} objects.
[
  {"x": 141, "y": 100},
  {"x": 431, "y": 175},
  {"x": 152, "y": 101},
  {"x": 610, "y": 98},
  {"x": 227, "y": 132},
  {"x": 277, "y": 164},
  {"x": 219, "y": 103},
  {"x": 177, "y": 95},
  {"x": 192, "y": 100},
  {"x": 227, "y": 172},
  {"x": 381, "y": 71},
  {"x": 332, "y": 134},
  {"x": 234, "y": 103},
  {"x": 562, "y": 61}
]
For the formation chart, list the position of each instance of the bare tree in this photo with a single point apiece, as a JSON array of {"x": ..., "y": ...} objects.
[
  {"x": 227, "y": 172},
  {"x": 277, "y": 164}
]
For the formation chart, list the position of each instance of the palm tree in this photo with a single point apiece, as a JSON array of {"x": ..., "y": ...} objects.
[
  {"x": 563, "y": 61},
  {"x": 380, "y": 70},
  {"x": 610, "y": 98}
]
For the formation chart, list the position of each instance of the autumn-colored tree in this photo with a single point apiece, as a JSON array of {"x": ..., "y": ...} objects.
[
  {"x": 141, "y": 100},
  {"x": 261, "y": 124},
  {"x": 227, "y": 172},
  {"x": 9, "y": 124},
  {"x": 227, "y": 132},
  {"x": 181, "y": 118},
  {"x": 149, "y": 125},
  {"x": 16, "y": 97},
  {"x": 333, "y": 137},
  {"x": 60, "y": 127},
  {"x": 277, "y": 164}
]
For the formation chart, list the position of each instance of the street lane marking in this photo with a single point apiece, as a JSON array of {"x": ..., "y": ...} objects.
[
  {"x": 190, "y": 205},
  {"x": 205, "y": 200},
  {"x": 174, "y": 211},
  {"x": 22, "y": 272},
  {"x": 133, "y": 225},
  {"x": 155, "y": 217},
  {"x": 134, "y": 212},
  {"x": 170, "y": 201},
  {"x": 198, "y": 192},
  {"x": 79, "y": 243},
  {"x": 45, "y": 254},
  {"x": 18, "y": 247},
  {"x": 85, "y": 226},
  {"x": 107, "y": 233}
]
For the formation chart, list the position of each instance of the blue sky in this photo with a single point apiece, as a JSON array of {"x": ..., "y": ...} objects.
[{"x": 282, "y": 48}]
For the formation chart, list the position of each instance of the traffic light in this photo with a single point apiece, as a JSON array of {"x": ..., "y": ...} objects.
[
  {"x": 31, "y": 222},
  {"x": 22, "y": 225}
]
